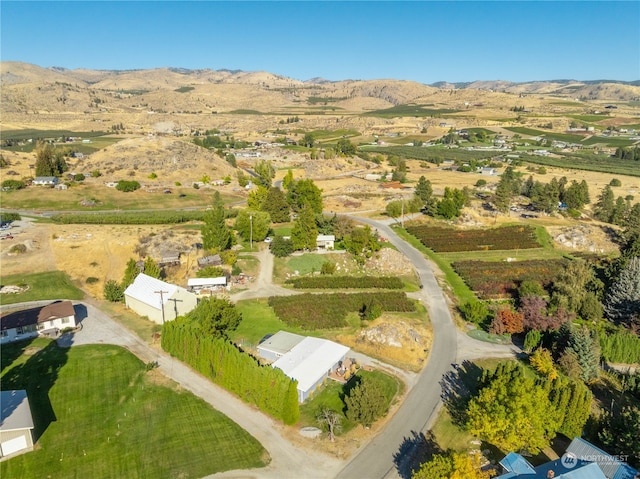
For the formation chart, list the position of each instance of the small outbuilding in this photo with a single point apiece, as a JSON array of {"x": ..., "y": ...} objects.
[
  {"x": 325, "y": 241},
  {"x": 196, "y": 285},
  {"x": 211, "y": 260},
  {"x": 157, "y": 300},
  {"x": 16, "y": 423},
  {"x": 45, "y": 181}
]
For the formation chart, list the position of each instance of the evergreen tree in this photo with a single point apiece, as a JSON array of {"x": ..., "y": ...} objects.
[
  {"x": 620, "y": 433},
  {"x": 113, "y": 291},
  {"x": 366, "y": 402},
  {"x": 622, "y": 303},
  {"x": 130, "y": 273},
  {"x": 587, "y": 350},
  {"x": 216, "y": 235},
  {"x": 361, "y": 243},
  {"x": 305, "y": 232},
  {"x": 151, "y": 268},
  {"x": 45, "y": 165},
  {"x": 619, "y": 213},
  {"x": 603, "y": 209}
]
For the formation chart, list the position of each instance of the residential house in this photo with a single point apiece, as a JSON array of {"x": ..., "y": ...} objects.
[
  {"x": 309, "y": 360},
  {"x": 28, "y": 323},
  {"x": 45, "y": 181},
  {"x": 157, "y": 300},
  {"x": 199, "y": 285},
  {"x": 325, "y": 242},
  {"x": 581, "y": 460},
  {"x": 16, "y": 423}
]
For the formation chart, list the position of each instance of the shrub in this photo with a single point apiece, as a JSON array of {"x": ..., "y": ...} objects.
[
  {"x": 615, "y": 182},
  {"x": 481, "y": 182},
  {"x": 113, "y": 291},
  {"x": 281, "y": 247},
  {"x": 92, "y": 280},
  {"x": 18, "y": 249},
  {"x": 153, "y": 176},
  {"x": 78, "y": 177},
  {"x": 96, "y": 174},
  {"x": 13, "y": 184},
  {"x": 127, "y": 186},
  {"x": 346, "y": 282},
  {"x": 7, "y": 216}
]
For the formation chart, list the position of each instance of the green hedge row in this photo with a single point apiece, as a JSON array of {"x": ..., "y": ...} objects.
[
  {"x": 221, "y": 361},
  {"x": 130, "y": 218},
  {"x": 327, "y": 311},
  {"x": 620, "y": 347},
  {"x": 346, "y": 282}
]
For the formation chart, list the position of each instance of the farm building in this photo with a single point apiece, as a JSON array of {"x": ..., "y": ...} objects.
[
  {"x": 157, "y": 300},
  {"x": 211, "y": 260},
  {"x": 28, "y": 323},
  {"x": 16, "y": 423},
  {"x": 197, "y": 285},
  {"x": 169, "y": 257},
  {"x": 325, "y": 241},
  {"x": 308, "y": 360}
]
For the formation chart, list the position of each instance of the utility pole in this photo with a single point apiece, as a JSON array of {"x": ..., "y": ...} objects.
[
  {"x": 251, "y": 232},
  {"x": 161, "y": 293},
  {"x": 402, "y": 213}
]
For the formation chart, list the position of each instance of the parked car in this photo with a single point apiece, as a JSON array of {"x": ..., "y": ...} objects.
[
  {"x": 7, "y": 236},
  {"x": 268, "y": 239}
]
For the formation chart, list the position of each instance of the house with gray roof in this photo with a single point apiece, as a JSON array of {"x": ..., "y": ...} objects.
[{"x": 16, "y": 423}]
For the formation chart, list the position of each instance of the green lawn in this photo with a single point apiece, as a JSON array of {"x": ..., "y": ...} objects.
[
  {"x": 48, "y": 285},
  {"x": 258, "y": 320},
  {"x": 99, "y": 414},
  {"x": 304, "y": 264},
  {"x": 331, "y": 397}
]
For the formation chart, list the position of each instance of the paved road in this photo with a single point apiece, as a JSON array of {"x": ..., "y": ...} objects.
[{"x": 382, "y": 457}]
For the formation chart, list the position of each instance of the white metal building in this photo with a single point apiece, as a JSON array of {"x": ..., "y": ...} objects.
[
  {"x": 157, "y": 300},
  {"x": 310, "y": 362}
]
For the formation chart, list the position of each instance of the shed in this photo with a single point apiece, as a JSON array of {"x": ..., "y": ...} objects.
[
  {"x": 198, "y": 284},
  {"x": 16, "y": 423},
  {"x": 157, "y": 300},
  {"x": 310, "y": 362},
  {"x": 211, "y": 260},
  {"x": 325, "y": 241},
  {"x": 169, "y": 257}
]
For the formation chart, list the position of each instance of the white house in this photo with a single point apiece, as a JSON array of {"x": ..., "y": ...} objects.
[
  {"x": 28, "y": 323},
  {"x": 309, "y": 361},
  {"x": 213, "y": 284},
  {"x": 325, "y": 241},
  {"x": 45, "y": 181},
  {"x": 157, "y": 300},
  {"x": 16, "y": 423}
]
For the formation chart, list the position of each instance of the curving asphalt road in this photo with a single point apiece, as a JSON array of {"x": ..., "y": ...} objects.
[{"x": 390, "y": 452}]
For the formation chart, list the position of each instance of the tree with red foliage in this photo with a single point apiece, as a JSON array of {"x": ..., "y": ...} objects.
[{"x": 507, "y": 321}]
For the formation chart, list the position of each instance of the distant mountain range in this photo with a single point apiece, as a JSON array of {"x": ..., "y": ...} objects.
[{"x": 31, "y": 88}]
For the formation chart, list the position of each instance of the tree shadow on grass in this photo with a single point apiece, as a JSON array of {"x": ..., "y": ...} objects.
[
  {"x": 415, "y": 450},
  {"x": 37, "y": 375},
  {"x": 458, "y": 386}
]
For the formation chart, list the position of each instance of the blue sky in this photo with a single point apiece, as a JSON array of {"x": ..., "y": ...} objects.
[{"x": 424, "y": 41}]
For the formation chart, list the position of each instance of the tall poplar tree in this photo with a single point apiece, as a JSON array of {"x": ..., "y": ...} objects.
[{"x": 216, "y": 235}]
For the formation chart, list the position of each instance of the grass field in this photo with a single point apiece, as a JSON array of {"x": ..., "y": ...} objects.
[
  {"x": 35, "y": 198},
  {"x": 258, "y": 320},
  {"x": 99, "y": 413},
  {"x": 49, "y": 285}
]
